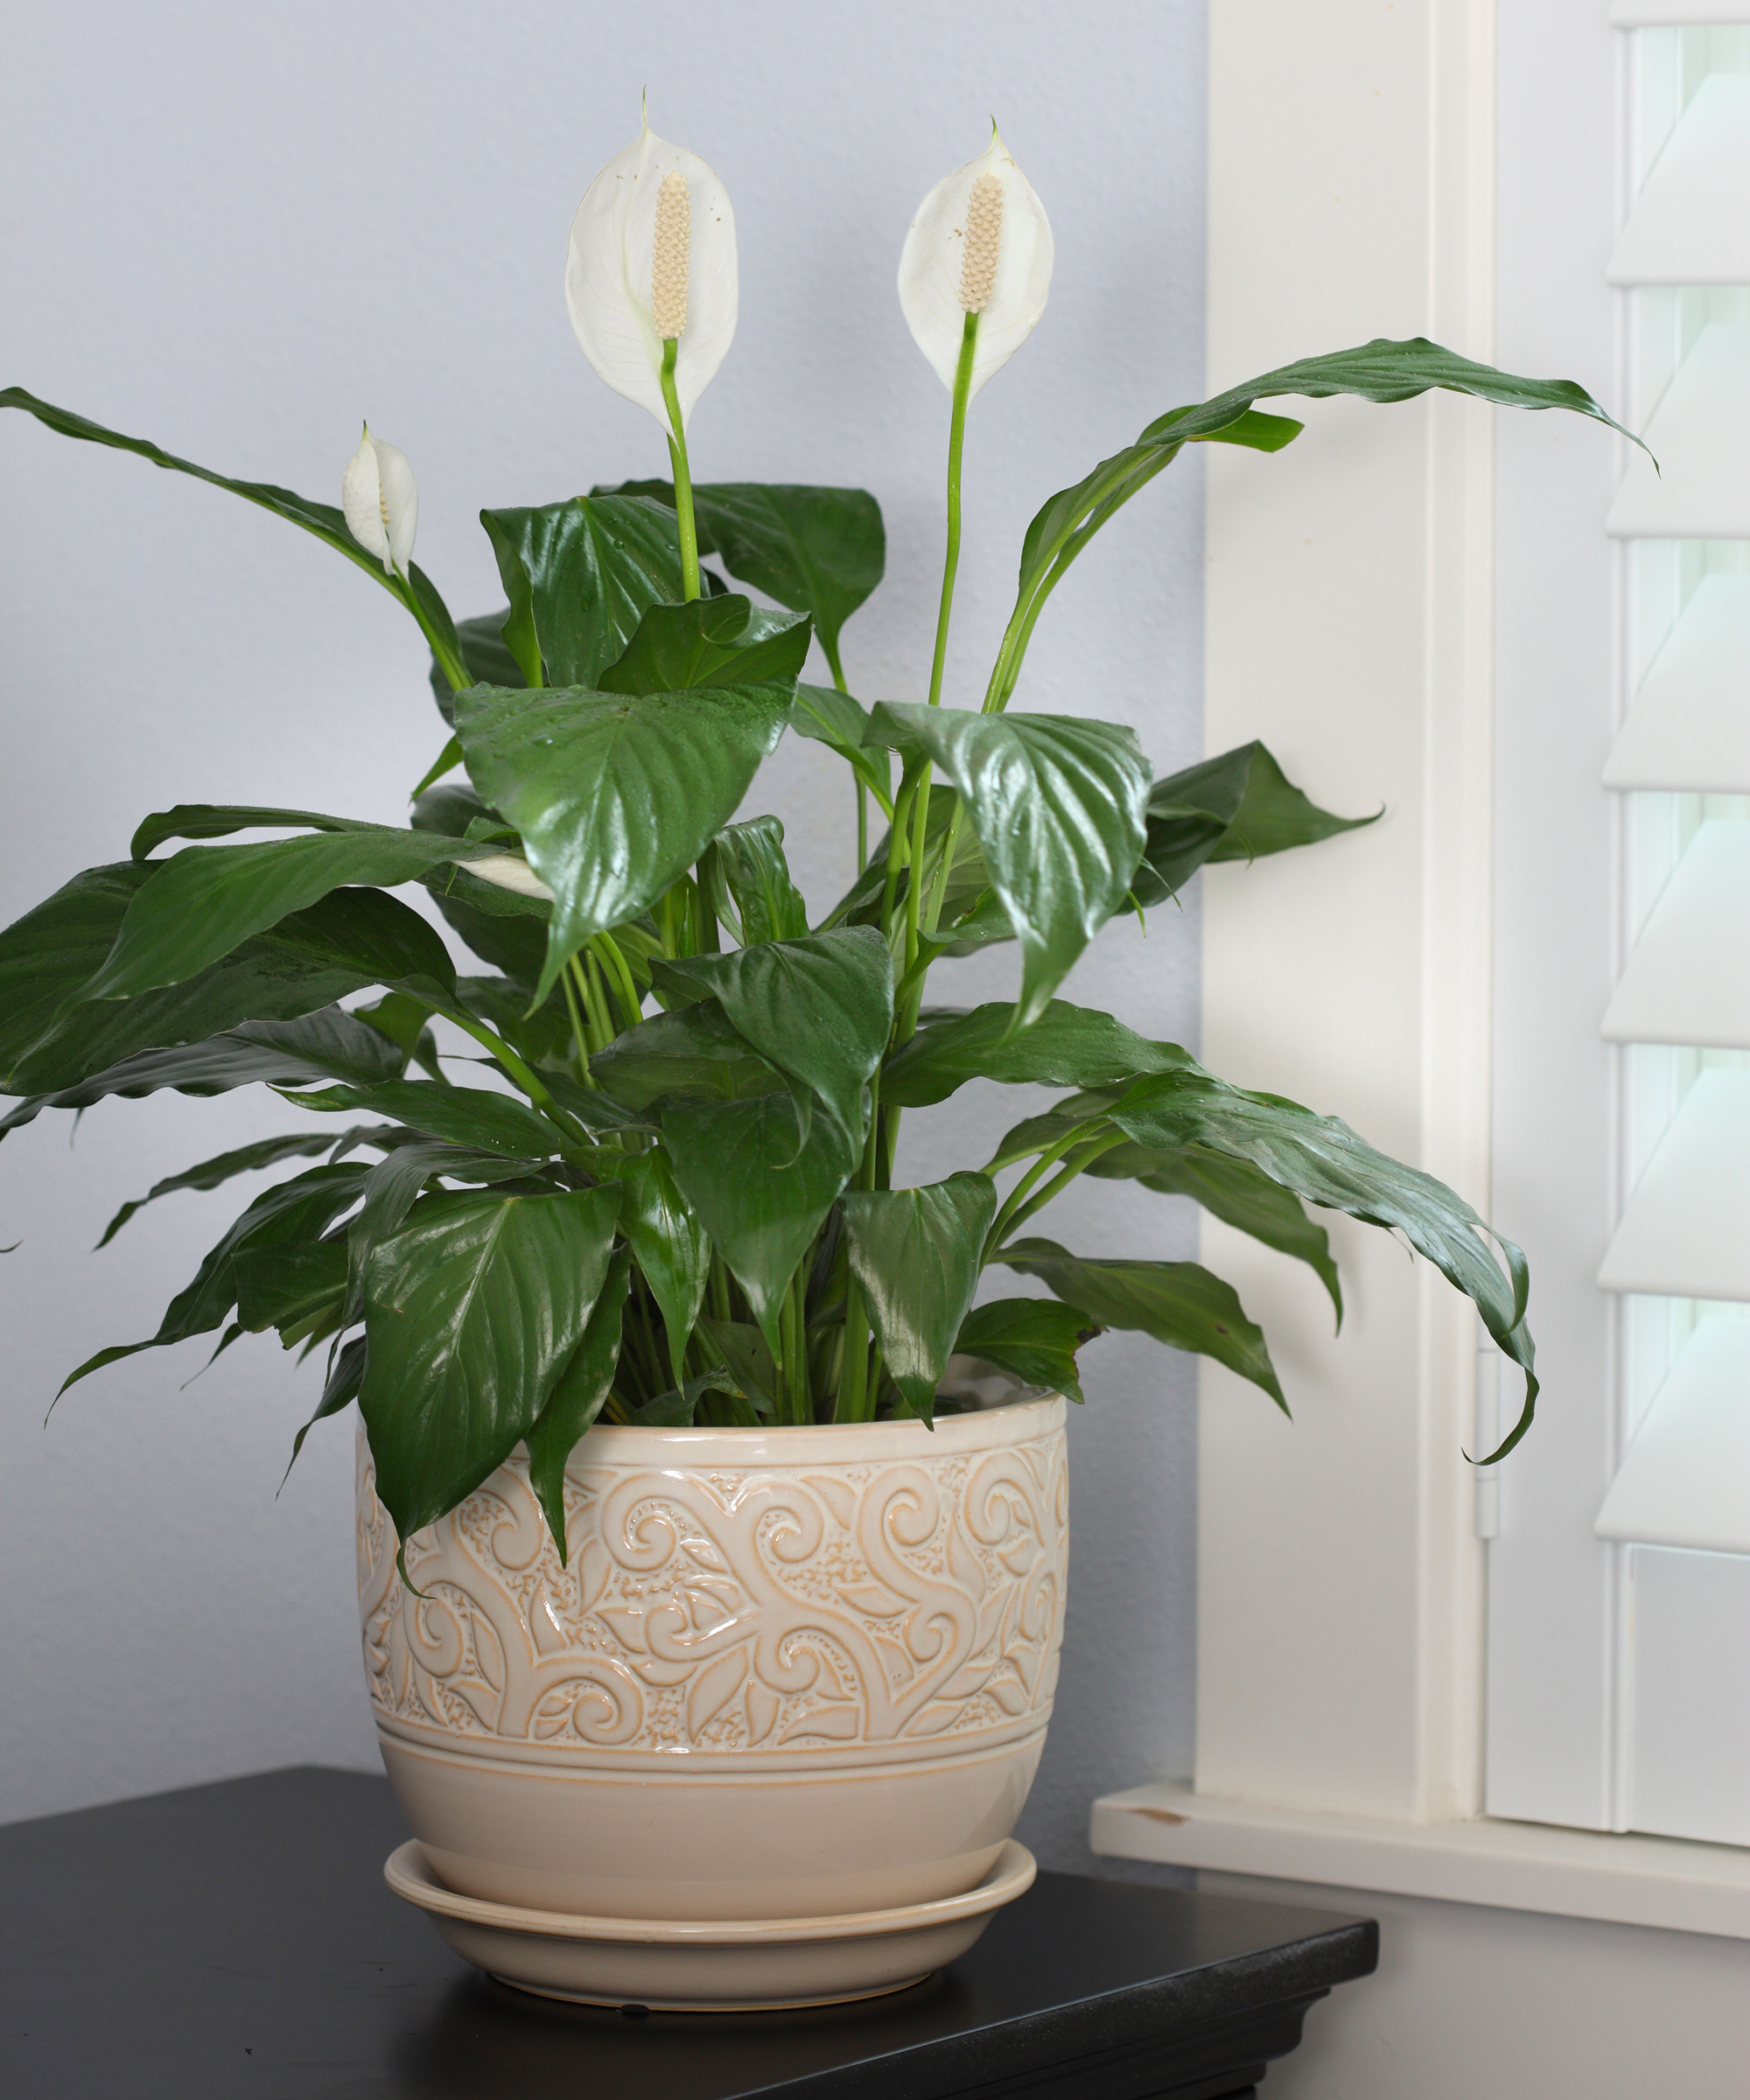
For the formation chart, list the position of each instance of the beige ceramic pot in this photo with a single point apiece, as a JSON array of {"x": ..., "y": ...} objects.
[{"x": 787, "y": 1673}]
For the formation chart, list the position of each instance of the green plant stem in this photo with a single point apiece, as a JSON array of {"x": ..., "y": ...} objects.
[
  {"x": 853, "y": 1378},
  {"x": 448, "y": 662},
  {"x": 829, "y": 649},
  {"x": 613, "y": 960},
  {"x": 684, "y": 478},
  {"x": 1048, "y": 1158},
  {"x": 1012, "y": 1215},
  {"x": 519, "y": 1071},
  {"x": 579, "y": 1031}
]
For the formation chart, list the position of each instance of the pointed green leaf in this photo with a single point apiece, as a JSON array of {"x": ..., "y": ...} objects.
[
  {"x": 616, "y": 796},
  {"x": 467, "y": 1115},
  {"x": 292, "y": 1214},
  {"x": 48, "y": 954},
  {"x": 300, "y": 1290},
  {"x": 395, "y": 1183},
  {"x": 329, "y": 1043},
  {"x": 710, "y": 641},
  {"x": 916, "y": 1253},
  {"x": 666, "y": 1239},
  {"x": 1058, "y": 805},
  {"x": 578, "y": 1396},
  {"x": 690, "y": 1054},
  {"x": 678, "y": 1408},
  {"x": 1065, "y": 1047},
  {"x": 347, "y": 940},
  {"x": 826, "y": 716},
  {"x": 246, "y": 1160},
  {"x": 760, "y": 1191},
  {"x": 471, "y": 1310},
  {"x": 820, "y": 1009},
  {"x": 1033, "y": 1339},
  {"x": 345, "y": 1377},
  {"x": 205, "y": 900},
  {"x": 744, "y": 1349},
  {"x": 220, "y": 820},
  {"x": 1238, "y": 806},
  {"x": 580, "y": 575},
  {"x": 1178, "y": 1302},
  {"x": 1322, "y": 1160},
  {"x": 748, "y": 878}
]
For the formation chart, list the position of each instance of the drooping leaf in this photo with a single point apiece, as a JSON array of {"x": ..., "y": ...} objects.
[
  {"x": 1322, "y": 1160},
  {"x": 48, "y": 954},
  {"x": 744, "y": 1349},
  {"x": 818, "y": 550},
  {"x": 1058, "y": 806},
  {"x": 748, "y": 880},
  {"x": 344, "y": 942},
  {"x": 323, "y": 519},
  {"x": 678, "y": 1408},
  {"x": 1178, "y": 1302},
  {"x": 345, "y": 1377},
  {"x": 471, "y": 1310},
  {"x": 759, "y": 1190},
  {"x": 394, "y": 1184},
  {"x": 666, "y": 1239},
  {"x": 580, "y": 575},
  {"x": 690, "y": 1054},
  {"x": 615, "y": 797},
  {"x": 292, "y": 1214},
  {"x": 1238, "y": 806},
  {"x": 245, "y": 1159},
  {"x": 468, "y": 1115},
  {"x": 406, "y": 1021},
  {"x": 820, "y": 1009},
  {"x": 204, "y": 902},
  {"x": 329, "y": 1043},
  {"x": 711, "y": 642},
  {"x": 1033, "y": 1339},
  {"x": 502, "y": 1004},
  {"x": 1065, "y": 1047},
  {"x": 221, "y": 820},
  {"x": 916, "y": 1253},
  {"x": 300, "y": 1290},
  {"x": 577, "y": 1398}
]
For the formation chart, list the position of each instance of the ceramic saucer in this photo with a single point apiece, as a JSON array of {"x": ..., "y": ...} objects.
[{"x": 709, "y": 1966}]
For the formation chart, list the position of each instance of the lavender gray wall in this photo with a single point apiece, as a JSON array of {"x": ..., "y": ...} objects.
[{"x": 237, "y": 231}]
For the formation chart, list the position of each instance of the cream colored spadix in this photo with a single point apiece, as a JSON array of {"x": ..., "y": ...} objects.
[
  {"x": 980, "y": 244},
  {"x": 653, "y": 260},
  {"x": 381, "y": 503},
  {"x": 510, "y": 872}
]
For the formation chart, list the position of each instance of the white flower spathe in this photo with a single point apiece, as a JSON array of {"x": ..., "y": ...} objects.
[
  {"x": 510, "y": 872},
  {"x": 381, "y": 503},
  {"x": 614, "y": 259},
  {"x": 980, "y": 244}
]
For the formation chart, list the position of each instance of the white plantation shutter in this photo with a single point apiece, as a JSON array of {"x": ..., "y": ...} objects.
[{"x": 1678, "y": 1507}]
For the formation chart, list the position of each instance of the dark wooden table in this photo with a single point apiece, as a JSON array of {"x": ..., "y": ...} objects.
[{"x": 238, "y": 1939}]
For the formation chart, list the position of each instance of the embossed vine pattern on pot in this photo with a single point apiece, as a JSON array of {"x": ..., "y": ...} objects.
[{"x": 765, "y": 1609}]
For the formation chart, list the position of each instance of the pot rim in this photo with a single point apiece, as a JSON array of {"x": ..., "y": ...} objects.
[{"x": 820, "y": 1443}]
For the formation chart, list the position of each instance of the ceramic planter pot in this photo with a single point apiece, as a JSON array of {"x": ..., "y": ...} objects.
[{"x": 787, "y": 1673}]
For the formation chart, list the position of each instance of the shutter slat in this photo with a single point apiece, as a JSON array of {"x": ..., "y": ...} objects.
[
  {"x": 1685, "y": 1479},
  {"x": 1690, "y": 224},
  {"x": 1688, "y": 979},
  {"x": 1700, "y": 433},
  {"x": 1689, "y": 727},
  {"x": 1685, "y": 1232}
]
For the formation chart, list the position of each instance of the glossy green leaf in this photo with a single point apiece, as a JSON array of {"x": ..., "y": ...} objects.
[
  {"x": 329, "y": 1043},
  {"x": 395, "y": 1183},
  {"x": 711, "y": 642},
  {"x": 818, "y": 550},
  {"x": 467, "y": 1115},
  {"x": 222, "y": 820},
  {"x": 747, "y": 877},
  {"x": 826, "y": 716},
  {"x": 666, "y": 1239},
  {"x": 580, "y": 575},
  {"x": 1033, "y": 1339},
  {"x": 345, "y": 1376},
  {"x": 245, "y": 1159},
  {"x": 323, "y": 519},
  {"x": 820, "y": 1009},
  {"x": 1178, "y": 1302},
  {"x": 744, "y": 1349},
  {"x": 1065, "y": 1047},
  {"x": 577, "y": 1398},
  {"x": 53, "y": 949},
  {"x": 690, "y": 1054},
  {"x": 916, "y": 1253},
  {"x": 1058, "y": 806},
  {"x": 292, "y": 1214},
  {"x": 759, "y": 1190},
  {"x": 1238, "y": 806},
  {"x": 471, "y": 1310},
  {"x": 345, "y": 941},
  {"x": 1322, "y": 1160},
  {"x": 405, "y": 1020},
  {"x": 205, "y": 901},
  {"x": 616, "y": 796},
  {"x": 485, "y": 656},
  {"x": 300, "y": 1290}
]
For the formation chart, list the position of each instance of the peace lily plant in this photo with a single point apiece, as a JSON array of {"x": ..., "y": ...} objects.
[{"x": 662, "y": 1192}]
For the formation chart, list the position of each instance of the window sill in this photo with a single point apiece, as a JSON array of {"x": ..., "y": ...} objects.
[{"x": 1625, "y": 1879}]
